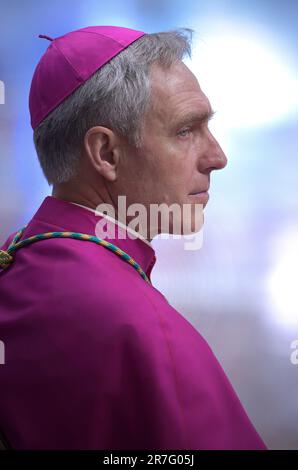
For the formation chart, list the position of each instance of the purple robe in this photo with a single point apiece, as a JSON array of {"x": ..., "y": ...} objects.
[{"x": 96, "y": 358}]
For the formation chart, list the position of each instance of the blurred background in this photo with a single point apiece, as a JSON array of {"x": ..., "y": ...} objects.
[{"x": 240, "y": 289}]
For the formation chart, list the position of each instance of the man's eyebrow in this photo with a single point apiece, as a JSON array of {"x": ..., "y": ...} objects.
[{"x": 194, "y": 116}]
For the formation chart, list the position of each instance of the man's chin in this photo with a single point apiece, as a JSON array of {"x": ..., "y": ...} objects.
[
  {"x": 193, "y": 220},
  {"x": 189, "y": 225},
  {"x": 182, "y": 219}
]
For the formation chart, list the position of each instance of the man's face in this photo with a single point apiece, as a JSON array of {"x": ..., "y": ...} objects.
[{"x": 178, "y": 151}]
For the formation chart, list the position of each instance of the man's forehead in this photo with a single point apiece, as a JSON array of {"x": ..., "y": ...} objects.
[
  {"x": 170, "y": 80},
  {"x": 184, "y": 106},
  {"x": 176, "y": 90}
]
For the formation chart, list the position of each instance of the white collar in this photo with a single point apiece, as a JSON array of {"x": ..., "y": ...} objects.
[{"x": 111, "y": 219}]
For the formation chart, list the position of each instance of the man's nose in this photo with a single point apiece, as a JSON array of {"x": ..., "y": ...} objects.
[{"x": 214, "y": 158}]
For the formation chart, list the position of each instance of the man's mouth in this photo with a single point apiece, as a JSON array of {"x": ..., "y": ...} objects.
[{"x": 201, "y": 197}]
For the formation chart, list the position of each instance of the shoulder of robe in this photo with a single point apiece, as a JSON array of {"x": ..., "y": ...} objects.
[
  {"x": 79, "y": 281},
  {"x": 63, "y": 268}
]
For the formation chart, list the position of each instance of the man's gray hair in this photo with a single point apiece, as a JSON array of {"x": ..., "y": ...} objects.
[{"x": 116, "y": 96}]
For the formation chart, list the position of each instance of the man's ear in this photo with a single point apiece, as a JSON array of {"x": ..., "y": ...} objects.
[{"x": 102, "y": 147}]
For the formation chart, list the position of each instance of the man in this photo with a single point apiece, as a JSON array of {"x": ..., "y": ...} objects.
[{"x": 95, "y": 357}]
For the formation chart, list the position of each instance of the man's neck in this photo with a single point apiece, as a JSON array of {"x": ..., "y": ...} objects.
[{"x": 90, "y": 204}]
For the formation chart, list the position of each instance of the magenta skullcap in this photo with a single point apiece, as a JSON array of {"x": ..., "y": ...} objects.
[{"x": 70, "y": 60}]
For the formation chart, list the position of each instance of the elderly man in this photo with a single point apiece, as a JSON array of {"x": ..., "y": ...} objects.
[{"x": 95, "y": 357}]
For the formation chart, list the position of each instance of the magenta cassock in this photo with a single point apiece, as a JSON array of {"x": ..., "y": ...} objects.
[{"x": 96, "y": 358}]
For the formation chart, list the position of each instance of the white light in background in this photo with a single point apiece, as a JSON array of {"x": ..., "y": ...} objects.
[
  {"x": 246, "y": 78},
  {"x": 281, "y": 282}
]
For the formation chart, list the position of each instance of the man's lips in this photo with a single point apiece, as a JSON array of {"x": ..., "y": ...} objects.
[
  {"x": 201, "y": 190},
  {"x": 200, "y": 197}
]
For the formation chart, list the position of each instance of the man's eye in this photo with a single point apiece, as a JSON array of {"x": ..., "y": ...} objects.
[{"x": 184, "y": 132}]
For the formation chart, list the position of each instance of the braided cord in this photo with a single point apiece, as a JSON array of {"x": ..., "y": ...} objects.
[{"x": 6, "y": 257}]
